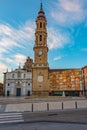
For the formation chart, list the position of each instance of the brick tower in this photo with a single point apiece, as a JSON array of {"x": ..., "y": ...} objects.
[{"x": 40, "y": 66}]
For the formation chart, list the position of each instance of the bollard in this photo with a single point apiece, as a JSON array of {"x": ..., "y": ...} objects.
[
  {"x": 62, "y": 106},
  {"x": 76, "y": 105},
  {"x": 32, "y": 108},
  {"x": 47, "y": 106}
]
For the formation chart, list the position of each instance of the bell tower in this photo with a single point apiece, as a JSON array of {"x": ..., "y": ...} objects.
[{"x": 40, "y": 66}]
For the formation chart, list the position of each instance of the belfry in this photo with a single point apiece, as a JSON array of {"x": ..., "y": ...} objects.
[{"x": 40, "y": 67}]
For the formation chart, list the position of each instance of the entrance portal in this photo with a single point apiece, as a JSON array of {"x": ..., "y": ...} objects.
[
  {"x": 18, "y": 92},
  {"x": 8, "y": 93}
]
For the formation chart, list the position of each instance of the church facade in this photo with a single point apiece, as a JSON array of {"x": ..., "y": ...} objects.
[
  {"x": 37, "y": 79},
  {"x": 18, "y": 82}
]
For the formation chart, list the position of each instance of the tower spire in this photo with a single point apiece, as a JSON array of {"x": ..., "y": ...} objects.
[
  {"x": 41, "y": 6},
  {"x": 41, "y": 14}
]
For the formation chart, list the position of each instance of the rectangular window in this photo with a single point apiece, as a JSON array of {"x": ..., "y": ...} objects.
[
  {"x": 19, "y": 74},
  {"x": 24, "y": 75},
  {"x": 8, "y": 84},
  {"x": 12, "y": 75}
]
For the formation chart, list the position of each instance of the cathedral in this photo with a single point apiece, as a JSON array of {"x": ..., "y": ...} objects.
[{"x": 37, "y": 79}]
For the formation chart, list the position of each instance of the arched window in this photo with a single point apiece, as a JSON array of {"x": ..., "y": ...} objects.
[
  {"x": 28, "y": 84},
  {"x": 40, "y": 24},
  {"x": 44, "y": 25},
  {"x": 40, "y": 37}
]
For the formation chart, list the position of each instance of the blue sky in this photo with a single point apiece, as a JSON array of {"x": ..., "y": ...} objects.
[{"x": 67, "y": 32}]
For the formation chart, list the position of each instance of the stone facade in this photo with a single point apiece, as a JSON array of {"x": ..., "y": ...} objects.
[
  {"x": 84, "y": 72},
  {"x": 18, "y": 83},
  {"x": 1, "y": 89},
  {"x": 28, "y": 64},
  {"x": 40, "y": 66},
  {"x": 66, "y": 81}
]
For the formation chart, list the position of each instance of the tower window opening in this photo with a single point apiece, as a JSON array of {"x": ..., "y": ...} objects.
[
  {"x": 44, "y": 25},
  {"x": 36, "y": 38},
  {"x": 40, "y": 37},
  {"x": 40, "y": 25}
]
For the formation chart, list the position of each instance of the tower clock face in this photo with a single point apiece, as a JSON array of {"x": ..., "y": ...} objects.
[
  {"x": 40, "y": 52},
  {"x": 40, "y": 78}
]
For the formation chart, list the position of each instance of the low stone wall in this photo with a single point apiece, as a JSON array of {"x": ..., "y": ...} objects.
[
  {"x": 46, "y": 106},
  {"x": 82, "y": 104}
]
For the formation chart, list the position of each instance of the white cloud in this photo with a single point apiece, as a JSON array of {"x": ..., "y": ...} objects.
[
  {"x": 24, "y": 35},
  {"x": 69, "y": 12},
  {"x": 11, "y": 37},
  {"x": 6, "y": 30},
  {"x": 71, "y": 6},
  {"x": 19, "y": 59},
  {"x": 57, "y": 58},
  {"x": 15, "y": 60},
  {"x": 7, "y": 44},
  {"x": 57, "y": 39},
  {"x": 3, "y": 67},
  {"x": 9, "y": 60}
]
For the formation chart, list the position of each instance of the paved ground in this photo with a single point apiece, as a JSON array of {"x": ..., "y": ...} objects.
[
  {"x": 6, "y": 118},
  {"x": 2, "y": 107},
  {"x": 56, "y": 120},
  {"x": 60, "y": 114},
  {"x": 14, "y": 100},
  {"x": 65, "y": 116},
  {"x": 44, "y": 126}
]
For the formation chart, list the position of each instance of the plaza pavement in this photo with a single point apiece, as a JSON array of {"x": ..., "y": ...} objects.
[
  {"x": 62, "y": 120},
  {"x": 44, "y": 126},
  {"x": 41, "y": 104},
  {"x": 65, "y": 111}
]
